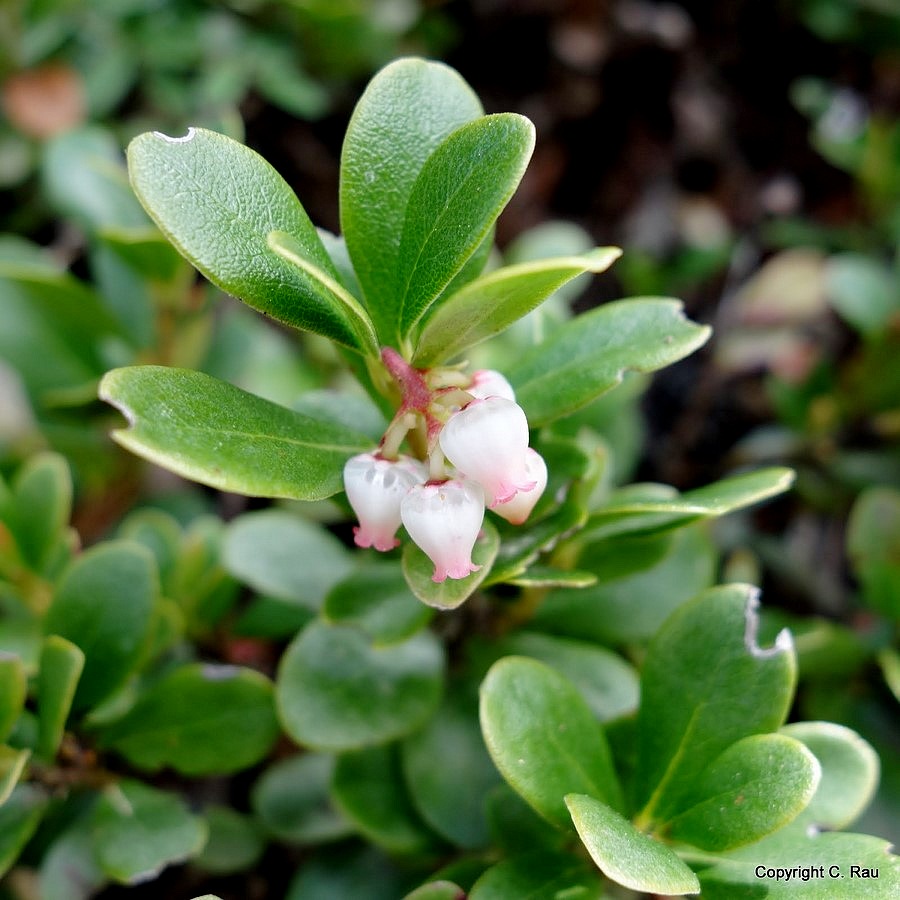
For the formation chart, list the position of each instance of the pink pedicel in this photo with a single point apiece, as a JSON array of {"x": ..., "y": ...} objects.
[{"x": 444, "y": 520}]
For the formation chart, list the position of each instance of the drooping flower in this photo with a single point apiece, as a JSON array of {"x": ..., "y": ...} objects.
[
  {"x": 486, "y": 441},
  {"x": 375, "y": 488},
  {"x": 519, "y": 508},
  {"x": 490, "y": 383},
  {"x": 444, "y": 520}
]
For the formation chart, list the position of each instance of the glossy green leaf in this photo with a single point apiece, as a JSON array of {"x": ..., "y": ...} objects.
[
  {"x": 449, "y": 772},
  {"x": 292, "y": 800},
  {"x": 646, "y": 509},
  {"x": 757, "y": 785},
  {"x": 284, "y": 556},
  {"x": 460, "y": 191},
  {"x": 221, "y": 224},
  {"x": 534, "y": 876},
  {"x": 850, "y": 769},
  {"x": 408, "y": 108},
  {"x": 377, "y": 599},
  {"x": 451, "y": 593},
  {"x": 200, "y": 720},
  {"x": 60, "y": 668},
  {"x": 368, "y": 789},
  {"x": 42, "y": 491},
  {"x": 605, "y": 680},
  {"x": 12, "y": 767},
  {"x": 640, "y": 581},
  {"x": 591, "y": 354},
  {"x": 544, "y": 738},
  {"x": 626, "y": 855},
  {"x": 138, "y": 830},
  {"x": 235, "y": 843},
  {"x": 105, "y": 605},
  {"x": 705, "y": 685},
  {"x": 19, "y": 819},
  {"x": 211, "y": 432},
  {"x": 337, "y": 691},
  {"x": 13, "y": 687},
  {"x": 488, "y": 305}
]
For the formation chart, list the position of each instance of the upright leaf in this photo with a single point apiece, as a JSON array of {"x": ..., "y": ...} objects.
[
  {"x": 462, "y": 188},
  {"x": 408, "y": 108},
  {"x": 61, "y": 665},
  {"x": 104, "y": 605},
  {"x": 590, "y": 355},
  {"x": 13, "y": 685},
  {"x": 705, "y": 685},
  {"x": 217, "y": 434},
  {"x": 218, "y": 201},
  {"x": 544, "y": 738}
]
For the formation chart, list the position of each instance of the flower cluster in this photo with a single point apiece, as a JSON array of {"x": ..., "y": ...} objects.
[{"x": 472, "y": 443}]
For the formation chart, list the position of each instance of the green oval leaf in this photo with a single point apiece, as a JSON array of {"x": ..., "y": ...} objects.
[
  {"x": 200, "y": 720},
  {"x": 137, "y": 831},
  {"x": 214, "y": 433},
  {"x": 590, "y": 355},
  {"x": 705, "y": 685},
  {"x": 104, "y": 605},
  {"x": 626, "y": 855},
  {"x": 61, "y": 665},
  {"x": 221, "y": 224},
  {"x": 756, "y": 786},
  {"x": 336, "y": 691},
  {"x": 544, "y": 738},
  {"x": 13, "y": 688},
  {"x": 460, "y": 191},
  {"x": 486, "y": 306},
  {"x": 536, "y": 875},
  {"x": 408, "y": 108}
]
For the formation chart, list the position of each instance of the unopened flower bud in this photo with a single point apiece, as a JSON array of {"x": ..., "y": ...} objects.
[
  {"x": 375, "y": 487},
  {"x": 490, "y": 383},
  {"x": 517, "y": 510},
  {"x": 444, "y": 520},
  {"x": 487, "y": 441}
]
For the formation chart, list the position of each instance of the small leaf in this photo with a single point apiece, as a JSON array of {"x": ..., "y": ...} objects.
[
  {"x": 338, "y": 692},
  {"x": 591, "y": 354},
  {"x": 19, "y": 819},
  {"x": 377, "y": 599},
  {"x": 12, "y": 766},
  {"x": 705, "y": 684},
  {"x": 236, "y": 842},
  {"x": 437, "y": 890},
  {"x": 221, "y": 224},
  {"x": 849, "y": 774},
  {"x": 462, "y": 187},
  {"x": 368, "y": 788},
  {"x": 756, "y": 786},
  {"x": 449, "y": 772},
  {"x": 537, "y": 875},
  {"x": 137, "y": 831},
  {"x": 282, "y": 555},
  {"x": 200, "y": 720},
  {"x": 451, "y": 593},
  {"x": 408, "y": 108},
  {"x": 873, "y": 545},
  {"x": 488, "y": 305},
  {"x": 104, "y": 605},
  {"x": 624, "y": 854},
  {"x": 293, "y": 802},
  {"x": 61, "y": 665},
  {"x": 863, "y": 291},
  {"x": 635, "y": 510},
  {"x": 217, "y": 434},
  {"x": 544, "y": 738},
  {"x": 13, "y": 687},
  {"x": 68, "y": 870}
]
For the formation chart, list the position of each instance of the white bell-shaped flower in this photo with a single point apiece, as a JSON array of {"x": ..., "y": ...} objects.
[
  {"x": 444, "y": 520},
  {"x": 375, "y": 487},
  {"x": 490, "y": 383},
  {"x": 486, "y": 441},
  {"x": 517, "y": 510}
]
